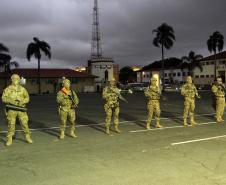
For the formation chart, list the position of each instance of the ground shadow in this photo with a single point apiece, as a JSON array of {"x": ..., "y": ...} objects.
[
  {"x": 2, "y": 138},
  {"x": 91, "y": 124},
  {"x": 44, "y": 128},
  {"x": 173, "y": 116},
  {"x": 128, "y": 117}
]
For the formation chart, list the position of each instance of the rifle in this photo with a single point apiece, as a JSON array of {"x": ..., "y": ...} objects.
[
  {"x": 117, "y": 92},
  {"x": 71, "y": 97},
  {"x": 222, "y": 87},
  {"x": 158, "y": 93},
  {"x": 15, "y": 107}
]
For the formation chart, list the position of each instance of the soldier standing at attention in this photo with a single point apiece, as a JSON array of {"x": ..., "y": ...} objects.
[
  {"x": 189, "y": 92},
  {"x": 219, "y": 92},
  {"x": 153, "y": 94},
  {"x": 112, "y": 95},
  {"x": 16, "y": 97},
  {"x": 68, "y": 101}
]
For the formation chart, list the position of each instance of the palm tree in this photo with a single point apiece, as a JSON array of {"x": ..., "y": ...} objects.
[
  {"x": 35, "y": 48},
  {"x": 8, "y": 67},
  {"x": 191, "y": 62},
  {"x": 4, "y": 55},
  {"x": 164, "y": 39},
  {"x": 5, "y": 61},
  {"x": 215, "y": 43}
]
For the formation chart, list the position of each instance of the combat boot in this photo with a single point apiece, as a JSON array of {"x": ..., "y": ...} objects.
[
  {"x": 185, "y": 122},
  {"x": 107, "y": 130},
  {"x": 28, "y": 138},
  {"x": 148, "y": 126},
  {"x": 192, "y": 121},
  {"x": 9, "y": 141},
  {"x": 220, "y": 120},
  {"x": 61, "y": 134},
  {"x": 72, "y": 133},
  {"x": 158, "y": 125},
  {"x": 117, "y": 129}
]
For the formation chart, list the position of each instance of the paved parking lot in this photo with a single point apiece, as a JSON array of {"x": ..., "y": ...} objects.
[{"x": 173, "y": 155}]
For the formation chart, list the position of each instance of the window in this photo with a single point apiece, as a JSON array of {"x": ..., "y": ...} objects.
[
  {"x": 74, "y": 80},
  {"x": 212, "y": 63},
  {"x": 184, "y": 74},
  {"x": 202, "y": 76},
  {"x": 178, "y": 74},
  {"x": 207, "y": 63},
  {"x": 207, "y": 76},
  {"x": 212, "y": 76},
  {"x": 165, "y": 74},
  {"x": 174, "y": 74},
  {"x": 196, "y": 76},
  {"x": 221, "y": 62},
  {"x": 170, "y": 74}
]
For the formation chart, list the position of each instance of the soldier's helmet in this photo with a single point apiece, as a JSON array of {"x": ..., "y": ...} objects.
[
  {"x": 112, "y": 80},
  {"x": 15, "y": 76},
  {"x": 189, "y": 79},
  {"x": 66, "y": 81},
  {"x": 153, "y": 79}
]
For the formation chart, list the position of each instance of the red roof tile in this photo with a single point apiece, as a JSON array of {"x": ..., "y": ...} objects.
[
  {"x": 221, "y": 55},
  {"x": 49, "y": 73}
]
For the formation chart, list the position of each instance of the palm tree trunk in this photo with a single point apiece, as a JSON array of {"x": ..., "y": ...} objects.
[
  {"x": 39, "y": 76},
  {"x": 215, "y": 65},
  {"x": 163, "y": 70}
]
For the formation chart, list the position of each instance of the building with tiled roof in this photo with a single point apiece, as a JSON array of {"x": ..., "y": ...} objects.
[
  {"x": 50, "y": 78},
  {"x": 206, "y": 76}
]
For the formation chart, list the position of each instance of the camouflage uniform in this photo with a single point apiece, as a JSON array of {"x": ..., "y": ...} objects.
[
  {"x": 153, "y": 106},
  {"x": 219, "y": 91},
  {"x": 16, "y": 95},
  {"x": 110, "y": 94},
  {"x": 67, "y": 109},
  {"x": 189, "y": 92}
]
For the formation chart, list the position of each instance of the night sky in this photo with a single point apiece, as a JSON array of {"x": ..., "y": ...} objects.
[{"x": 126, "y": 28}]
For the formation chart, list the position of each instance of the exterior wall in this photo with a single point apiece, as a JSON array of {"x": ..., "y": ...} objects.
[
  {"x": 99, "y": 68},
  {"x": 47, "y": 84},
  {"x": 143, "y": 76},
  {"x": 206, "y": 77},
  {"x": 177, "y": 75},
  {"x": 116, "y": 72}
]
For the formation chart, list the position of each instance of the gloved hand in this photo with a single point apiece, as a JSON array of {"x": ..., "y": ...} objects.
[
  {"x": 198, "y": 96},
  {"x": 14, "y": 102}
]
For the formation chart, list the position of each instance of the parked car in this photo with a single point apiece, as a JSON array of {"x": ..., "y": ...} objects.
[{"x": 136, "y": 87}]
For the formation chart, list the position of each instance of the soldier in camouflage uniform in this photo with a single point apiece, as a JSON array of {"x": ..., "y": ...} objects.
[
  {"x": 153, "y": 94},
  {"x": 111, "y": 94},
  {"x": 219, "y": 91},
  {"x": 189, "y": 92},
  {"x": 16, "y": 97},
  {"x": 68, "y": 101}
]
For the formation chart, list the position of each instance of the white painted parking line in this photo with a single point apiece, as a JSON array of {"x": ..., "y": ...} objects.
[
  {"x": 97, "y": 124},
  {"x": 198, "y": 140},
  {"x": 163, "y": 128}
]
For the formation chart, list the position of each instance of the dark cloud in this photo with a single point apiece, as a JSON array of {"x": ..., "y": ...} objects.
[{"x": 126, "y": 28}]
